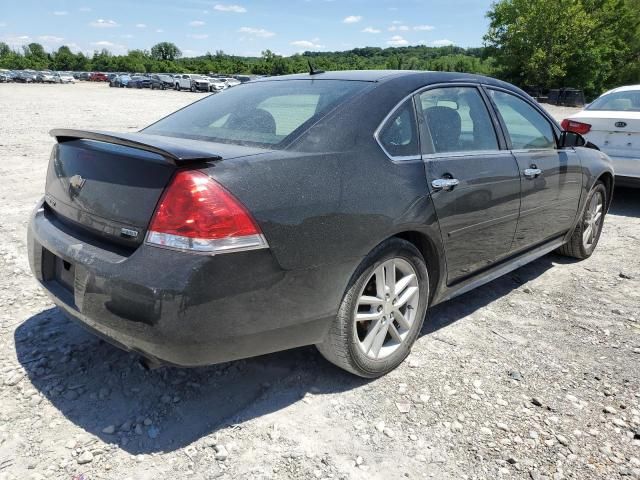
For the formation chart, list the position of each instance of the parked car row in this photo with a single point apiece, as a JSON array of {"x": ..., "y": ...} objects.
[
  {"x": 175, "y": 81},
  {"x": 32, "y": 76}
]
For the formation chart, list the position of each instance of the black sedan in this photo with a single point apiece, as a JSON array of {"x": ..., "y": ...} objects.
[
  {"x": 138, "y": 81},
  {"x": 162, "y": 82},
  {"x": 329, "y": 209}
]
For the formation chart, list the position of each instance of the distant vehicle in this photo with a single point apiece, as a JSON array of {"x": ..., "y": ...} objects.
[
  {"x": 162, "y": 81},
  {"x": 98, "y": 77},
  {"x": 138, "y": 81},
  {"x": 612, "y": 122},
  {"x": 45, "y": 77},
  {"x": 329, "y": 209},
  {"x": 63, "y": 77},
  {"x": 23, "y": 76},
  {"x": 5, "y": 76},
  {"x": 120, "y": 81},
  {"x": 188, "y": 81},
  {"x": 217, "y": 85},
  {"x": 84, "y": 76}
]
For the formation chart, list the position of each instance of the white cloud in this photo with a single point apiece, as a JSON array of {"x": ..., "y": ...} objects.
[
  {"x": 50, "y": 39},
  {"x": 2, "y": 24},
  {"x": 424, "y": 28},
  {"x": 113, "y": 47},
  {"x": 398, "y": 28},
  {"x": 352, "y": 19},
  {"x": 396, "y": 22},
  {"x": 159, "y": 30},
  {"x": 198, "y": 36},
  {"x": 229, "y": 8},
  {"x": 126, "y": 35},
  {"x": 371, "y": 30},
  {"x": 196, "y": 23},
  {"x": 16, "y": 40},
  {"x": 102, "y": 23},
  {"x": 258, "y": 32},
  {"x": 307, "y": 44},
  {"x": 84, "y": 9},
  {"x": 397, "y": 41},
  {"x": 141, "y": 25},
  {"x": 60, "y": 13},
  {"x": 190, "y": 53},
  {"x": 443, "y": 43}
]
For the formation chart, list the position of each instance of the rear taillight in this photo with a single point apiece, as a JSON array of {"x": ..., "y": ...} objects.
[
  {"x": 576, "y": 127},
  {"x": 199, "y": 215}
]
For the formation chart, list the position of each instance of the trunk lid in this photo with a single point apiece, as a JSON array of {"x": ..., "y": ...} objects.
[
  {"x": 108, "y": 184},
  {"x": 615, "y": 133}
]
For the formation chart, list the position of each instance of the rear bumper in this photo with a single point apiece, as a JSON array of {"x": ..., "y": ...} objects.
[{"x": 182, "y": 309}]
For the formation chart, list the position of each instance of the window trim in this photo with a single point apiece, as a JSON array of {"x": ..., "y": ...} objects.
[
  {"x": 385, "y": 122},
  {"x": 423, "y": 132},
  {"x": 426, "y": 131},
  {"x": 556, "y": 130}
]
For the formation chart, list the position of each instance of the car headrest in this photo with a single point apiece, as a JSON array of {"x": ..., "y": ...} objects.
[
  {"x": 255, "y": 120},
  {"x": 445, "y": 125}
]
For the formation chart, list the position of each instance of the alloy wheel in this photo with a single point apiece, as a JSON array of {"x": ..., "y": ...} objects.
[
  {"x": 386, "y": 308},
  {"x": 592, "y": 222}
]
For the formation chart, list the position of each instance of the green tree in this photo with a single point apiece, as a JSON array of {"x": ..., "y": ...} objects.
[
  {"x": 166, "y": 51},
  {"x": 561, "y": 43}
]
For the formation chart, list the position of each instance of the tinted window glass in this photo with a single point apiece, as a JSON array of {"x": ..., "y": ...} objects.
[
  {"x": 458, "y": 120},
  {"x": 263, "y": 113},
  {"x": 628, "y": 101},
  {"x": 527, "y": 127},
  {"x": 399, "y": 137}
]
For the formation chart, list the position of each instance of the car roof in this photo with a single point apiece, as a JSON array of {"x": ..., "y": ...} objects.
[
  {"x": 628, "y": 88},
  {"x": 421, "y": 76}
]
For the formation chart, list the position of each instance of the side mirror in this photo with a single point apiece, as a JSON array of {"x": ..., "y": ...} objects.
[{"x": 572, "y": 139}]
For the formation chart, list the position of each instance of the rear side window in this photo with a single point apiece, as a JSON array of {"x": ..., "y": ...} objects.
[
  {"x": 399, "y": 136},
  {"x": 527, "y": 128},
  {"x": 263, "y": 113},
  {"x": 458, "y": 120}
]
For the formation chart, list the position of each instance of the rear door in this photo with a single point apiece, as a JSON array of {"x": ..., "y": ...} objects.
[
  {"x": 475, "y": 184},
  {"x": 551, "y": 178}
]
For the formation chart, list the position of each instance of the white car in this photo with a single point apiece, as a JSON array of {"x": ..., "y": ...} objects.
[
  {"x": 62, "y": 77},
  {"x": 612, "y": 122}
]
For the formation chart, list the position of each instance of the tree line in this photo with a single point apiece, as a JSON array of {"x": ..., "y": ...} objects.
[{"x": 588, "y": 44}]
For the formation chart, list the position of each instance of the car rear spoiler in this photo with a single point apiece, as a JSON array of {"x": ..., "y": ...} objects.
[{"x": 174, "y": 152}]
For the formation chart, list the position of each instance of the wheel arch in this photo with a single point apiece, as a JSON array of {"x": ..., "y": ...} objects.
[
  {"x": 607, "y": 179},
  {"x": 427, "y": 247}
]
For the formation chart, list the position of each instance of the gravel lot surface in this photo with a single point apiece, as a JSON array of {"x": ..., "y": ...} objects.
[{"x": 533, "y": 376}]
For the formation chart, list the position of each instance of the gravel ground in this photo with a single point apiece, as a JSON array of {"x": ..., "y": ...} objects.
[{"x": 533, "y": 376}]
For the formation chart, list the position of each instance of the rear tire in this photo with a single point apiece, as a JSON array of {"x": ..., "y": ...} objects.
[
  {"x": 587, "y": 233},
  {"x": 373, "y": 332}
]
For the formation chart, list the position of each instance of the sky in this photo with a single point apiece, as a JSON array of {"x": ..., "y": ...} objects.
[{"x": 242, "y": 27}]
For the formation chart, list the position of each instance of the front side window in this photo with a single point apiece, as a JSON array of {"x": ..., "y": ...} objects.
[
  {"x": 399, "y": 136},
  {"x": 527, "y": 128},
  {"x": 264, "y": 113},
  {"x": 458, "y": 120}
]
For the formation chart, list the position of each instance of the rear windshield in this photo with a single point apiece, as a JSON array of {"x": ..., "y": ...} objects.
[
  {"x": 263, "y": 113},
  {"x": 628, "y": 101}
]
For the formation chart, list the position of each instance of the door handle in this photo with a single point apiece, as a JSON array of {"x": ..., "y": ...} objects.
[
  {"x": 532, "y": 173},
  {"x": 445, "y": 184}
]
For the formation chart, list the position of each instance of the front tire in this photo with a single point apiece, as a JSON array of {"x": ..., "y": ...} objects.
[
  {"x": 587, "y": 233},
  {"x": 382, "y": 311}
]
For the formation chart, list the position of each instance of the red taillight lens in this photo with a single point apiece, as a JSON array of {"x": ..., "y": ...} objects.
[
  {"x": 576, "y": 127},
  {"x": 196, "y": 213}
]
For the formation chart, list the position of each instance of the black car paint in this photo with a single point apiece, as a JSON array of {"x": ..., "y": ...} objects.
[{"x": 322, "y": 205}]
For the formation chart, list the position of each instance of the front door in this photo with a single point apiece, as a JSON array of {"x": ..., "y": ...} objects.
[
  {"x": 475, "y": 186},
  {"x": 551, "y": 178}
]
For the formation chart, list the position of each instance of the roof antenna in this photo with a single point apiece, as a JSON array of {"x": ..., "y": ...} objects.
[{"x": 312, "y": 70}]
